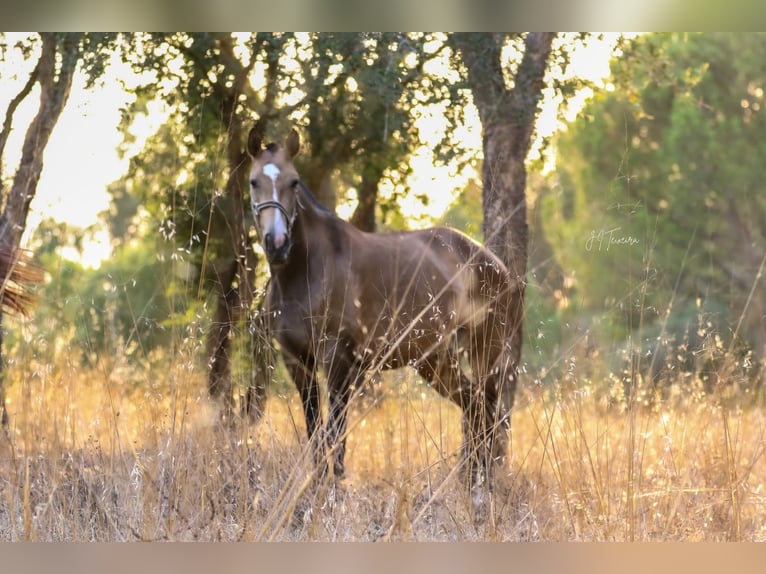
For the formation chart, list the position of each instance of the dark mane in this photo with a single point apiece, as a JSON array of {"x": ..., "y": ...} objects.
[
  {"x": 314, "y": 201},
  {"x": 334, "y": 232},
  {"x": 272, "y": 147}
]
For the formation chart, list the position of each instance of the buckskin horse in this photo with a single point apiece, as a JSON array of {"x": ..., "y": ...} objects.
[{"x": 349, "y": 302}]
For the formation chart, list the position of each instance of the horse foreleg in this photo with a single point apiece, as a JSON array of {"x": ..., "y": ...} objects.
[
  {"x": 494, "y": 358},
  {"x": 304, "y": 376},
  {"x": 342, "y": 378},
  {"x": 486, "y": 428},
  {"x": 483, "y": 439}
]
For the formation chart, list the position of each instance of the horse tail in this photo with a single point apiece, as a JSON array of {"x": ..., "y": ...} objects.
[{"x": 17, "y": 273}]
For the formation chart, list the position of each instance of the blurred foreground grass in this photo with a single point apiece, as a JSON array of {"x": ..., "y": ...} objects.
[{"x": 98, "y": 455}]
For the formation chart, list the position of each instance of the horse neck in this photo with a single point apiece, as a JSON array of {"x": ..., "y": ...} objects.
[{"x": 312, "y": 234}]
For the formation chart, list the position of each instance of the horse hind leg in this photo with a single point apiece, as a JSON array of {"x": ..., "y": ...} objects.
[
  {"x": 487, "y": 414},
  {"x": 477, "y": 450},
  {"x": 485, "y": 407},
  {"x": 445, "y": 374}
]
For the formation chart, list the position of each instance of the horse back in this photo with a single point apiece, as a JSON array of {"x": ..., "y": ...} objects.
[
  {"x": 484, "y": 278},
  {"x": 419, "y": 287}
]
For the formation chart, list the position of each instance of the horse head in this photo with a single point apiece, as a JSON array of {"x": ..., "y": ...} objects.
[{"x": 274, "y": 183}]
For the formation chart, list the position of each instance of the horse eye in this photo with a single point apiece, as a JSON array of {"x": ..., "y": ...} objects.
[
  {"x": 294, "y": 183},
  {"x": 254, "y": 183}
]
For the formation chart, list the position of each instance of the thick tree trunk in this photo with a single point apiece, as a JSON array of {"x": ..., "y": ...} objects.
[
  {"x": 508, "y": 120},
  {"x": 231, "y": 299},
  {"x": 364, "y": 215},
  {"x": 504, "y": 180}
]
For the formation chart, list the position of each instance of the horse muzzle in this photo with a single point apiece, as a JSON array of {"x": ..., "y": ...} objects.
[{"x": 277, "y": 249}]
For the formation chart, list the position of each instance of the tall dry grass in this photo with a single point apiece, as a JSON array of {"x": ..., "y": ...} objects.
[{"x": 114, "y": 454}]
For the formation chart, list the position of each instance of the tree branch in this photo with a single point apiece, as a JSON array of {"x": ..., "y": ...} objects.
[
  {"x": 528, "y": 84},
  {"x": 54, "y": 92},
  {"x": 480, "y": 53},
  {"x": 12, "y": 110}
]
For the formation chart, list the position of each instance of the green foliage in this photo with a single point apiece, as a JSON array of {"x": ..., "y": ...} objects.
[
  {"x": 465, "y": 213},
  {"x": 126, "y": 306},
  {"x": 657, "y": 199},
  {"x": 362, "y": 94}
]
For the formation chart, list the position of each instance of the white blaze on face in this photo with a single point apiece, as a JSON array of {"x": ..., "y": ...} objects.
[{"x": 280, "y": 225}]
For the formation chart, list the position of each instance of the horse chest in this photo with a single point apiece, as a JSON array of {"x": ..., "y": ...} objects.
[{"x": 300, "y": 317}]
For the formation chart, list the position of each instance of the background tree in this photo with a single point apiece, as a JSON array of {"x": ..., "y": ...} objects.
[
  {"x": 354, "y": 95},
  {"x": 656, "y": 203},
  {"x": 362, "y": 91},
  {"x": 508, "y": 104},
  {"x": 59, "y": 57},
  {"x": 198, "y": 196},
  {"x": 99, "y": 318}
]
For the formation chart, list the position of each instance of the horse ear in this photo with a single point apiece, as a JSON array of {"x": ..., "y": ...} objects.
[
  {"x": 293, "y": 143},
  {"x": 255, "y": 139}
]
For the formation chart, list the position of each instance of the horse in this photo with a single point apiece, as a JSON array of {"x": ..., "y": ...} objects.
[{"x": 349, "y": 302}]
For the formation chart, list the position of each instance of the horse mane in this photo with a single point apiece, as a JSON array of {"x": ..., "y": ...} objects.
[
  {"x": 335, "y": 223},
  {"x": 314, "y": 201}
]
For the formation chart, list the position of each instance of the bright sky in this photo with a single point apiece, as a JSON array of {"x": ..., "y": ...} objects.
[
  {"x": 81, "y": 158},
  {"x": 80, "y": 161}
]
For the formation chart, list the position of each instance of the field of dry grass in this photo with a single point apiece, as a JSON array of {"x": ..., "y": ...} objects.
[{"x": 101, "y": 455}]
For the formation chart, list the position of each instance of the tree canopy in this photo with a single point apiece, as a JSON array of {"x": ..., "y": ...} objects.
[{"x": 651, "y": 220}]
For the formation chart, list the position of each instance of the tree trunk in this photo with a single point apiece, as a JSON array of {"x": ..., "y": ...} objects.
[
  {"x": 54, "y": 93},
  {"x": 319, "y": 181},
  {"x": 504, "y": 180},
  {"x": 753, "y": 269},
  {"x": 231, "y": 300},
  {"x": 219, "y": 338},
  {"x": 364, "y": 215},
  {"x": 508, "y": 120},
  {"x": 55, "y": 87}
]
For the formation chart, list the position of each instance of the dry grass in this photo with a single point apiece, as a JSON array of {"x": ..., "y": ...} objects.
[{"x": 110, "y": 455}]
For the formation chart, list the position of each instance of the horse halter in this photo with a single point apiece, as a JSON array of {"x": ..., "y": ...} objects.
[
  {"x": 261, "y": 205},
  {"x": 289, "y": 218}
]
